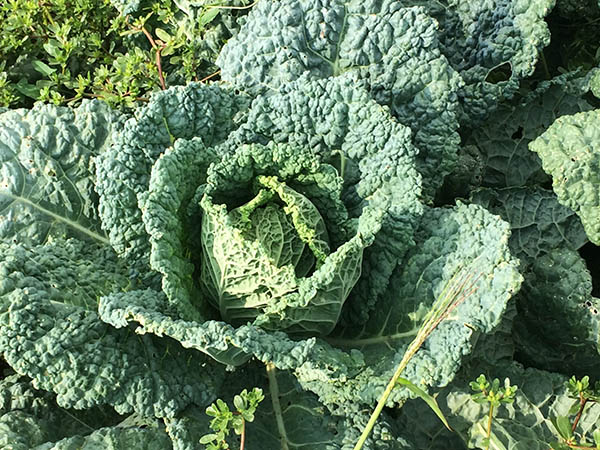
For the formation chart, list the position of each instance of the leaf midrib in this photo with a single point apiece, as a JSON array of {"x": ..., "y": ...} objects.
[{"x": 92, "y": 234}]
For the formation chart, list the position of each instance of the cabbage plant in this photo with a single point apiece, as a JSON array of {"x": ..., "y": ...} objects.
[{"x": 214, "y": 231}]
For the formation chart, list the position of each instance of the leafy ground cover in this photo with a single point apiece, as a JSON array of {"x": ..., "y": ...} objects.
[
  {"x": 62, "y": 51},
  {"x": 300, "y": 224}
]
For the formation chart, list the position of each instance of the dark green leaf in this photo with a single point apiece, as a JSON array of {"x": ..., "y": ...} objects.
[{"x": 27, "y": 89}]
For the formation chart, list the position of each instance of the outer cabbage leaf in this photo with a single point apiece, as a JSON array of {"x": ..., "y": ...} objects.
[
  {"x": 304, "y": 423},
  {"x": 173, "y": 224},
  {"x": 394, "y": 51},
  {"x": 86, "y": 362},
  {"x": 20, "y": 431},
  {"x": 49, "y": 335},
  {"x": 123, "y": 172},
  {"x": 296, "y": 420},
  {"x": 416, "y": 421},
  {"x": 47, "y": 171},
  {"x": 537, "y": 221},
  {"x": 493, "y": 45},
  {"x": 570, "y": 152},
  {"x": 228, "y": 345},
  {"x": 29, "y": 417},
  {"x": 555, "y": 328},
  {"x": 69, "y": 271},
  {"x": 496, "y": 348},
  {"x": 114, "y": 438},
  {"x": 558, "y": 325},
  {"x": 502, "y": 140},
  {"x": 465, "y": 239}
]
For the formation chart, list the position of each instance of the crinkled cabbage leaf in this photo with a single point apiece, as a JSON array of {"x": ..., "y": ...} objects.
[{"x": 570, "y": 153}]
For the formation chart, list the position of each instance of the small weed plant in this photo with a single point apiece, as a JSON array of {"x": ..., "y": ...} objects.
[
  {"x": 584, "y": 395},
  {"x": 494, "y": 395},
  {"x": 225, "y": 420}
]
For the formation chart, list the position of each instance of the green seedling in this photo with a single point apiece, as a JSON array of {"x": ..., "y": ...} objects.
[
  {"x": 225, "y": 420},
  {"x": 494, "y": 395}
]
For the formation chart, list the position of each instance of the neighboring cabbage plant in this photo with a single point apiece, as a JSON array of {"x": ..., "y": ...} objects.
[{"x": 570, "y": 152}]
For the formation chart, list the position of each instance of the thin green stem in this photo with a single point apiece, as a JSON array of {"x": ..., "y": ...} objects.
[
  {"x": 274, "y": 389},
  {"x": 381, "y": 404},
  {"x": 157, "y": 49},
  {"x": 48, "y": 15},
  {"x": 489, "y": 427},
  {"x": 231, "y": 7},
  {"x": 452, "y": 295},
  {"x": 210, "y": 76},
  {"x": 545, "y": 64}
]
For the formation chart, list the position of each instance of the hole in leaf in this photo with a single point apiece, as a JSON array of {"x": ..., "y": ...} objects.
[
  {"x": 499, "y": 74},
  {"x": 518, "y": 134},
  {"x": 4, "y": 367},
  {"x": 591, "y": 254}
]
